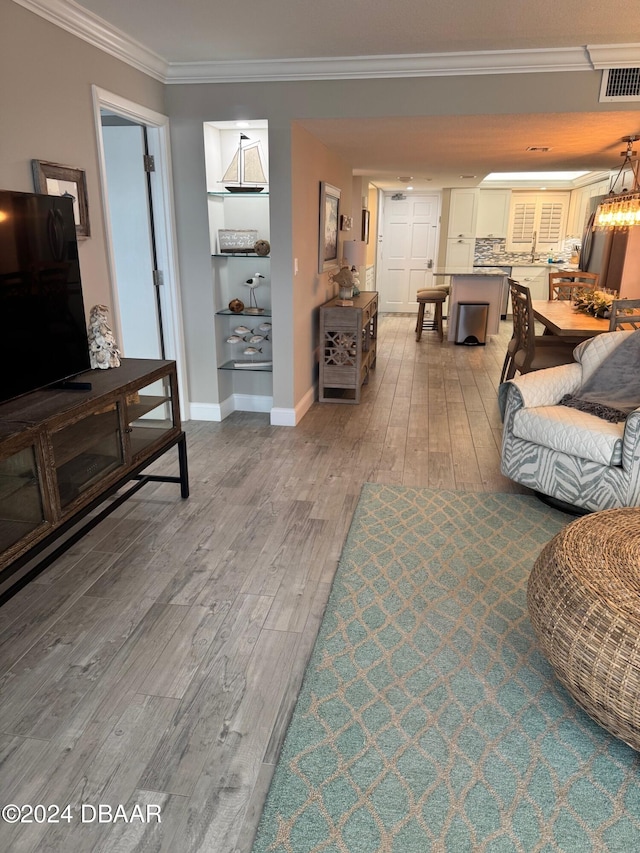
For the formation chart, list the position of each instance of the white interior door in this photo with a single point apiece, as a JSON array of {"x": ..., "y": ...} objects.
[
  {"x": 409, "y": 244},
  {"x": 132, "y": 239},
  {"x": 160, "y": 305}
]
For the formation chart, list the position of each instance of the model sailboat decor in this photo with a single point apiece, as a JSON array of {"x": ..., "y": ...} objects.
[{"x": 246, "y": 173}]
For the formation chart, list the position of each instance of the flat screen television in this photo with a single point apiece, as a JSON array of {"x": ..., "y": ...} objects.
[{"x": 43, "y": 332}]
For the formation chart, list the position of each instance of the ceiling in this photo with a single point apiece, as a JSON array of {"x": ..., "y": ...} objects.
[
  {"x": 198, "y": 30},
  {"x": 435, "y": 148}
]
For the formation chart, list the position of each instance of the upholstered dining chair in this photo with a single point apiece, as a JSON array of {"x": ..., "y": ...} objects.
[
  {"x": 564, "y": 283},
  {"x": 625, "y": 315},
  {"x": 527, "y": 351}
]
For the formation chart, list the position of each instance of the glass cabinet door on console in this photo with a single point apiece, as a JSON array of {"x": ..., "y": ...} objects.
[
  {"x": 150, "y": 415},
  {"x": 21, "y": 503},
  {"x": 85, "y": 451}
]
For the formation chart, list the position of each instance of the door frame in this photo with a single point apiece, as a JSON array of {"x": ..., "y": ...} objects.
[
  {"x": 384, "y": 198},
  {"x": 157, "y": 126}
]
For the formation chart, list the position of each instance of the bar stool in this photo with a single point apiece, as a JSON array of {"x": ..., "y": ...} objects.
[{"x": 433, "y": 296}]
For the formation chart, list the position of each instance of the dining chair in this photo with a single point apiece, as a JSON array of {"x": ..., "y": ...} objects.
[
  {"x": 564, "y": 283},
  {"x": 527, "y": 351},
  {"x": 625, "y": 315}
]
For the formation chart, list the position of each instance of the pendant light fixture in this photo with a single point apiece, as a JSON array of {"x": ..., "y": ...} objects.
[{"x": 622, "y": 210}]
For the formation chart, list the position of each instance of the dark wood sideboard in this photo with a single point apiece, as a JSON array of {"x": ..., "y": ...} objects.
[{"x": 64, "y": 452}]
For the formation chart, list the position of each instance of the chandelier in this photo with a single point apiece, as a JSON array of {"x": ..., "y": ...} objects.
[{"x": 622, "y": 210}]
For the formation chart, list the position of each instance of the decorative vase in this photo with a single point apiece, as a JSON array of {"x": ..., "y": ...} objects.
[{"x": 346, "y": 291}]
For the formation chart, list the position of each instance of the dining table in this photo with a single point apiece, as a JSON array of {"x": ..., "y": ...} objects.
[{"x": 559, "y": 317}]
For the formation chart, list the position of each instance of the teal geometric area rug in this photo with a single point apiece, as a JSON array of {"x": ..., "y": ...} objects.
[{"x": 428, "y": 719}]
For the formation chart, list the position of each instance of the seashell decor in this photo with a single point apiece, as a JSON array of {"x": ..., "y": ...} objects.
[{"x": 103, "y": 352}]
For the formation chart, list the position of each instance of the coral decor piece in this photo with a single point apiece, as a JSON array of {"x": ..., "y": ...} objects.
[
  {"x": 103, "y": 352},
  {"x": 344, "y": 280}
]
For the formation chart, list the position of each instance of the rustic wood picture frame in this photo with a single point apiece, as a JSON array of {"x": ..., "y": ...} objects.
[
  {"x": 328, "y": 247},
  {"x": 55, "y": 179}
]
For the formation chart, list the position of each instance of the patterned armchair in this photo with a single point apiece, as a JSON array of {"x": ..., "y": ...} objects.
[{"x": 561, "y": 452}]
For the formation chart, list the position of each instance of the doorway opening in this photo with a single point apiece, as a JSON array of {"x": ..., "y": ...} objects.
[{"x": 135, "y": 169}]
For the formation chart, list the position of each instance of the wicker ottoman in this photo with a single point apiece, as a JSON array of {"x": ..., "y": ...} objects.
[{"x": 583, "y": 598}]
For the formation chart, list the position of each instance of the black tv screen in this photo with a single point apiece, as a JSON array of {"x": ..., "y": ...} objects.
[{"x": 43, "y": 333}]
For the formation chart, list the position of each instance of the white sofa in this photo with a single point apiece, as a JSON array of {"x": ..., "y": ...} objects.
[{"x": 564, "y": 453}]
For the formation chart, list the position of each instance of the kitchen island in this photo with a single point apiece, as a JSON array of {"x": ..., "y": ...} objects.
[{"x": 473, "y": 288}]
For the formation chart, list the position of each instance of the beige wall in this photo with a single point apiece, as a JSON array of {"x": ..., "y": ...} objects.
[
  {"x": 46, "y": 113},
  {"x": 311, "y": 162}
]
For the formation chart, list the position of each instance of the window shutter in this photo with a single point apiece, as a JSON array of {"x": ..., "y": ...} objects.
[
  {"x": 550, "y": 222},
  {"x": 524, "y": 217}
]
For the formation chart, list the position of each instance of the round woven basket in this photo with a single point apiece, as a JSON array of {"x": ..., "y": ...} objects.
[{"x": 583, "y": 598}]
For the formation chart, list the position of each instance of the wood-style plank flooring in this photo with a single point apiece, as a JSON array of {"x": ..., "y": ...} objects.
[{"x": 157, "y": 662}]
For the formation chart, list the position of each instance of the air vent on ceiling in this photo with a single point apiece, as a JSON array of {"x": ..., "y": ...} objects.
[
  {"x": 542, "y": 148},
  {"x": 620, "y": 84}
]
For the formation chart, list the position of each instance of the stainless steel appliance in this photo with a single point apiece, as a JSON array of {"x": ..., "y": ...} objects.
[
  {"x": 612, "y": 253},
  {"x": 492, "y": 268}
]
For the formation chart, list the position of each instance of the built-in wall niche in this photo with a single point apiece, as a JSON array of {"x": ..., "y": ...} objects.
[
  {"x": 241, "y": 209},
  {"x": 239, "y": 229}
]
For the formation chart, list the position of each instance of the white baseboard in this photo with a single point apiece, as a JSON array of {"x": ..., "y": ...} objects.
[
  {"x": 233, "y": 403},
  {"x": 283, "y": 417},
  {"x": 252, "y": 403},
  {"x": 291, "y": 417},
  {"x": 205, "y": 412}
]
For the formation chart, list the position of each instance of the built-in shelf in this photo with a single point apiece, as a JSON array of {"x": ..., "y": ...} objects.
[
  {"x": 241, "y": 364},
  {"x": 232, "y": 270},
  {"x": 262, "y": 194},
  {"x": 227, "y": 312},
  {"x": 248, "y": 255}
]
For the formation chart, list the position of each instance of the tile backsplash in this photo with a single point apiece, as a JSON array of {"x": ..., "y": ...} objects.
[{"x": 491, "y": 250}]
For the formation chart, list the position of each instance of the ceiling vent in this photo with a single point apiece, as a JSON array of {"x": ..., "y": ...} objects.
[
  {"x": 620, "y": 84},
  {"x": 543, "y": 148}
]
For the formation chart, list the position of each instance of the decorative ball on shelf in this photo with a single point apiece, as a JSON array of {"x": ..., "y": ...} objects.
[
  {"x": 262, "y": 247},
  {"x": 236, "y": 305},
  {"x": 103, "y": 352}
]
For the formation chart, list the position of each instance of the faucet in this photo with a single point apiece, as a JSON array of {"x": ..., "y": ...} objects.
[{"x": 533, "y": 247}]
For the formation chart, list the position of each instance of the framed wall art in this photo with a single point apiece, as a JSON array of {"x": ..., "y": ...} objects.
[
  {"x": 54, "y": 179},
  {"x": 329, "y": 221},
  {"x": 366, "y": 216}
]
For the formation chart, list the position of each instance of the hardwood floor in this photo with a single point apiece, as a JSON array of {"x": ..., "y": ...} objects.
[{"x": 157, "y": 663}]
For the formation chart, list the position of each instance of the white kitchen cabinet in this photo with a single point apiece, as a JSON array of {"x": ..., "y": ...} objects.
[
  {"x": 493, "y": 213},
  {"x": 577, "y": 212},
  {"x": 543, "y": 215},
  {"x": 463, "y": 213},
  {"x": 536, "y": 278},
  {"x": 460, "y": 254},
  {"x": 579, "y": 207}
]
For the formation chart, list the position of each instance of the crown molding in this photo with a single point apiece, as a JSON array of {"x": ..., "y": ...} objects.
[
  {"x": 78, "y": 21},
  {"x": 614, "y": 55},
  {"x": 97, "y": 32},
  {"x": 366, "y": 67}
]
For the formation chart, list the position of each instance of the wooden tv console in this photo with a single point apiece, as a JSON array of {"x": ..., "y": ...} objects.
[{"x": 63, "y": 452}]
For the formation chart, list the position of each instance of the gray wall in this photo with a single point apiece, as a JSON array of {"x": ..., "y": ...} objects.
[{"x": 46, "y": 113}]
